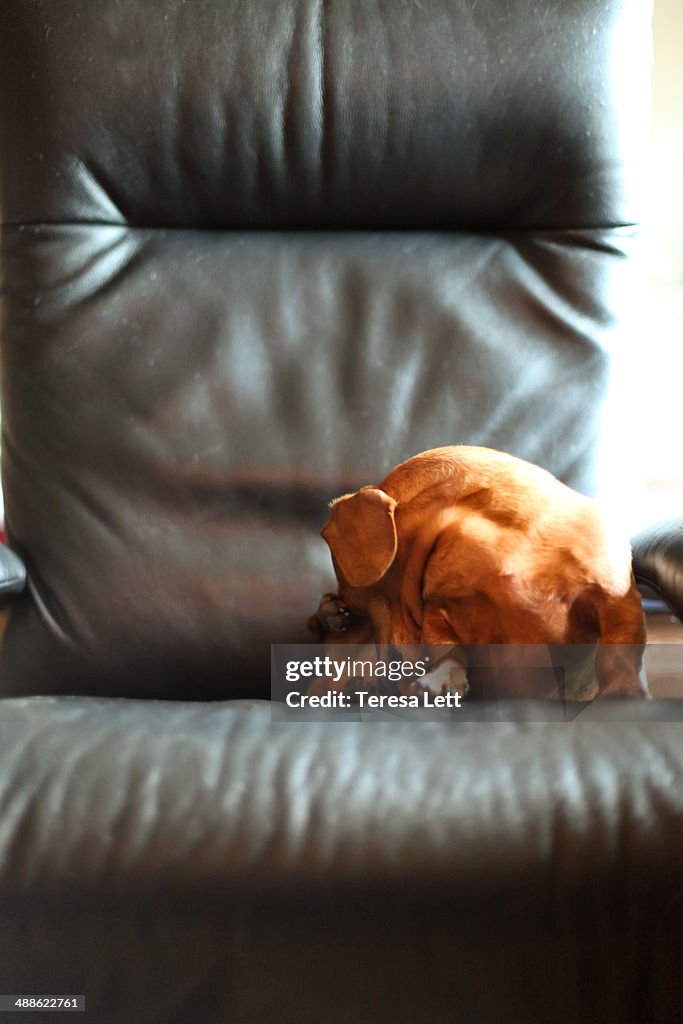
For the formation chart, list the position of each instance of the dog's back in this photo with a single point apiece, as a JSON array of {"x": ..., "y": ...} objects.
[
  {"x": 527, "y": 522},
  {"x": 490, "y": 549}
]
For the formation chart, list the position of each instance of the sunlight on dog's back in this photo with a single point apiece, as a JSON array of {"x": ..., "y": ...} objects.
[{"x": 465, "y": 545}]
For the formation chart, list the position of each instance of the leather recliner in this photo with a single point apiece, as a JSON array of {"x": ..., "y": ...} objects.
[{"x": 254, "y": 253}]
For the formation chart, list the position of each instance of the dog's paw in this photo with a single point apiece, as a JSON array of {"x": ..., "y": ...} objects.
[
  {"x": 332, "y": 615},
  {"x": 448, "y": 677}
]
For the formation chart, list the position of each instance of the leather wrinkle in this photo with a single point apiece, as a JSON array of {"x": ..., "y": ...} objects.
[
  {"x": 114, "y": 251},
  {"x": 479, "y": 228},
  {"x": 97, "y": 182},
  {"x": 485, "y": 104},
  {"x": 324, "y": 157},
  {"x": 338, "y": 760}
]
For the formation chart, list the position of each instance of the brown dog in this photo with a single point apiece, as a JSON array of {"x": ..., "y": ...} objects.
[{"x": 467, "y": 546}]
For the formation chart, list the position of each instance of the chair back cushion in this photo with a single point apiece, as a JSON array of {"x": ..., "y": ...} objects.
[{"x": 254, "y": 255}]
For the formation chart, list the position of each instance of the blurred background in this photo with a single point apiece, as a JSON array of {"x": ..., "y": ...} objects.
[
  {"x": 663, "y": 478},
  {"x": 647, "y": 464}
]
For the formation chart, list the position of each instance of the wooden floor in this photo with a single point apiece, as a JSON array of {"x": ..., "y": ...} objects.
[{"x": 664, "y": 656}]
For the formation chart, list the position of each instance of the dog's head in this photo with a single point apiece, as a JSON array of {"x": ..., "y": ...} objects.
[{"x": 361, "y": 535}]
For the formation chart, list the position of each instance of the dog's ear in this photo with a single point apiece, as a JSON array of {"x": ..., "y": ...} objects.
[{"x": 361, "y": 534}]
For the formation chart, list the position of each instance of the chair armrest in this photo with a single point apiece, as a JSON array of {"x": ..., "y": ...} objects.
[
  {"x": 658, "y": 561},
  {"x": 12, "y": 572}
]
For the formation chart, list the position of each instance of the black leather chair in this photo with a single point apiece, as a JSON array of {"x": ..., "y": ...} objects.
[{"x": 254, "y": 254}]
